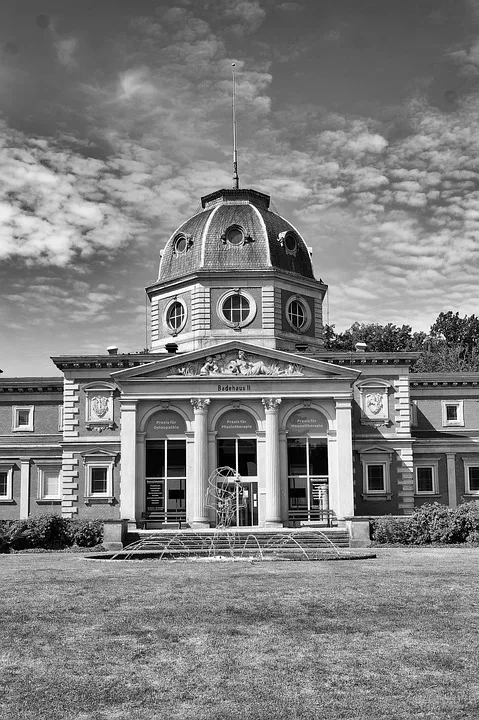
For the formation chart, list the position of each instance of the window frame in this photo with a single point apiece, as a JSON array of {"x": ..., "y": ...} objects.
[
  {"x": 433, "y": 465},
  {"x": 98, "y": 459},
  {"x": 231, "y": 293},
  {"x": 468, "y": 464},
  {"x": 308, "y": 316},
  {"x": 23, "y": 428},
  {"x": 377, "y": 457},
  {"x": 169, "y": 329},
  {"x": 8, "y": 469},
  {"x": 41, "y": 469},
  {"x": 459, "y": 404}
]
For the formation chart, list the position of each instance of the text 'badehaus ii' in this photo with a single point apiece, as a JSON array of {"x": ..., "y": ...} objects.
[{"x": 236, "y": 376}]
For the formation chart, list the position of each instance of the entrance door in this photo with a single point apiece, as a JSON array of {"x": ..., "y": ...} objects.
[
  {"x": 166, "y": 480},
  {"x": 308, "y": 480},
  {"x": 237, "y": 504},
  {"x": 240, "y": 455}
]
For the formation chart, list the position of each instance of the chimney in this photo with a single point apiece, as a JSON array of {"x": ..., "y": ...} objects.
[
  {"x": 360, "y": 347},
  {"x": 171, "y": 348},
  {"x": 112, "y": 350}
]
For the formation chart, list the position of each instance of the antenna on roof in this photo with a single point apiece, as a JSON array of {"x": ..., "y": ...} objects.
[{"x": 235, "y": 151}]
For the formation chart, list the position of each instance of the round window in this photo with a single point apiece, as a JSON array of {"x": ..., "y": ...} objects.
[
  {"x": 180, "y": 244},
  {"x": 290, "y": 243},
  {"x": 175, "y": 316},
  {"x": 236, "y": 308},
  {"x": 234, "y": 235},
  {"x": 298, "y": 314}
]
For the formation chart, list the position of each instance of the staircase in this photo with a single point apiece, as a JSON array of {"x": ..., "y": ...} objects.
[{"x": 238, "y": 541}]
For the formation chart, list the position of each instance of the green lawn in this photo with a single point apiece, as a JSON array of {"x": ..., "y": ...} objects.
[{"x": 395, "y": 637}]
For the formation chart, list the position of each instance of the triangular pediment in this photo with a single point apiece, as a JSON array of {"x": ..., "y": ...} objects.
[{"x": 236, "y": 359}]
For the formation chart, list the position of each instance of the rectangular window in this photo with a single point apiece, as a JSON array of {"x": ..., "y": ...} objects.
[
  {"x": 99, "y": 477},
  {"x": 6, "y": 475},
  {"x": 425, "y": 479},
  {"x": 473, "y": 478},
  {"x": 99, "y": 480},
  {"x": 22, "y": 418},
  {"x": 3, "y": 484},
  {"x": 453, "y": 413},
  {"x": 375, "y": 476}
]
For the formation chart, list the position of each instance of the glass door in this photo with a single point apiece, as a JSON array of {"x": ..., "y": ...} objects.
[
  {"x": 166, "y": 480},
  {"x": 308, "y": 479},
  {"x": 240, "y": 455}
]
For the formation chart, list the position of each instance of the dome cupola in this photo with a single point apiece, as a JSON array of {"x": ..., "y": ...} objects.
[{"x": 236, "y": 267}]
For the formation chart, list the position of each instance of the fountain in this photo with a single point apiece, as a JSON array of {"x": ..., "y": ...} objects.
[{"x": 227, "y": 542}]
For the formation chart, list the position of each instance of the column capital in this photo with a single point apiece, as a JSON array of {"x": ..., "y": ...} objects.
[
  {"x": 343, "y": 403},
  {"x": 128, "y": 405},
  {"x": 271, "y": 404},
  {"x": 200, "y": 405}
]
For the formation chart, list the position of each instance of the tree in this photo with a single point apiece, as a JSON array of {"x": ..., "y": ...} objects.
[
  {"x": 378, "y": 338},
  {"x": 452, "y": 344}
]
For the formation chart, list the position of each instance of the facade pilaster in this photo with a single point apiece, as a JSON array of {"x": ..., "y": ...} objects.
[
  {"x": 273, "y": 466},
  {"x": 24, "y": 489},
  {"x": 451, "y": 480},
  {"x": 128, "y": 461},
  {"x": 342, "y": 489},
  {"x": 200, "y": 473}
]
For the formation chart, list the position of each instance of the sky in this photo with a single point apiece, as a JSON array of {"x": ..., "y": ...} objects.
[{"x": 359, "y": 117}]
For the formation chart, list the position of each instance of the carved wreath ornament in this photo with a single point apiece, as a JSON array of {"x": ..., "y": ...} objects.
[{"x": 237, "y": 364}]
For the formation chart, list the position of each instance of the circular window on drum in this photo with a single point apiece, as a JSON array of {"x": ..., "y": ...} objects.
[
  {"x": 236, "y": 309},
  {"x": 298, "y": 313},
  {"x": 175, "y": 316}
]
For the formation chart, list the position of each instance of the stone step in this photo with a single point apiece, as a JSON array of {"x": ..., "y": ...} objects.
[{"x": 239, "y": 540}]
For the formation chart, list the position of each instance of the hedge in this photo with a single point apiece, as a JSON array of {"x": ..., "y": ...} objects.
[
  {"x": 49, "y": 531},
  {"x": 430, "y": 523}
]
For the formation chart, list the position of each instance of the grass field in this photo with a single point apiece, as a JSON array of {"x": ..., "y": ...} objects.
[{"x": 395, "y": 637}]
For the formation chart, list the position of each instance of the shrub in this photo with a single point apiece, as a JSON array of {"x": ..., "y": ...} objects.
[
  {"x": 87, "y": 533},
  {"x": 389, "y": 529},
  {"x": 46, "y": 531},
  {"x": 430, "y": 523}
]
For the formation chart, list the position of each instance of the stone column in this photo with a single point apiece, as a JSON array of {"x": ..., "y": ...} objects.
[
  {"x": 344, "y": 443},
  {"x": 200, "y": 471},
  {"x": 273, "y": 467},
  {"x": 128, "y": 461},
  {"x": 451, "y": 480},
  {"x": 24, "y": 489}
]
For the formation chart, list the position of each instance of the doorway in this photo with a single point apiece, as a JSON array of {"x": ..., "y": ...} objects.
[
  {"x": 308, "y": 496},
  {"x": 166, "y": 481},
  {"x": 240, "y": 454}
]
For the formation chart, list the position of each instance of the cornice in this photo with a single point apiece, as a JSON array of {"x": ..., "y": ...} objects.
[
  {"x": 366, "y": 358},
  {"x": 92, "y": 362},
  {"x": 31, "y": 385},
  {"x": 459, "y": 379}
]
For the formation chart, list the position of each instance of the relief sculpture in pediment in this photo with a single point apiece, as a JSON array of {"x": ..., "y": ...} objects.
[{"x": 238, "y": 364}]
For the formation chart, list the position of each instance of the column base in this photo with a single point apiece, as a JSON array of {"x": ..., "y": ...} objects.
[
  {"x": 200, "y": 525},
  {"x": 273, "y": 524}
]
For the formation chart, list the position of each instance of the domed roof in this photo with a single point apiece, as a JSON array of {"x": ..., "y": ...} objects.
[{"x": 235, "y": 230}]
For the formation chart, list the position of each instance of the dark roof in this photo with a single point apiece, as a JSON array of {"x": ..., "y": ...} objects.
[{"x": 263, "y": 249}]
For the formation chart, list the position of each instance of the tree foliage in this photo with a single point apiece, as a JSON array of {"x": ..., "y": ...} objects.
[{"x": 452, "y": 344}]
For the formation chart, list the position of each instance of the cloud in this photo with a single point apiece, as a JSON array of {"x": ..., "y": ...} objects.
[
  {"x": 246, "y": 15},
  {"x": 66, "y": 49}
]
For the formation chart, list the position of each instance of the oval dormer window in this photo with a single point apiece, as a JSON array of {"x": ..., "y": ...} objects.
[
  {"x": 235, "y": 235},
  {"x": 291, "y": 243},
  {"x": 181, "y": 244},
  {"x": 175, "y": 316}
]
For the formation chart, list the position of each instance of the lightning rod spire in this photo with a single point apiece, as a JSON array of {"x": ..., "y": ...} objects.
[{"x": 235, "y": 151}]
